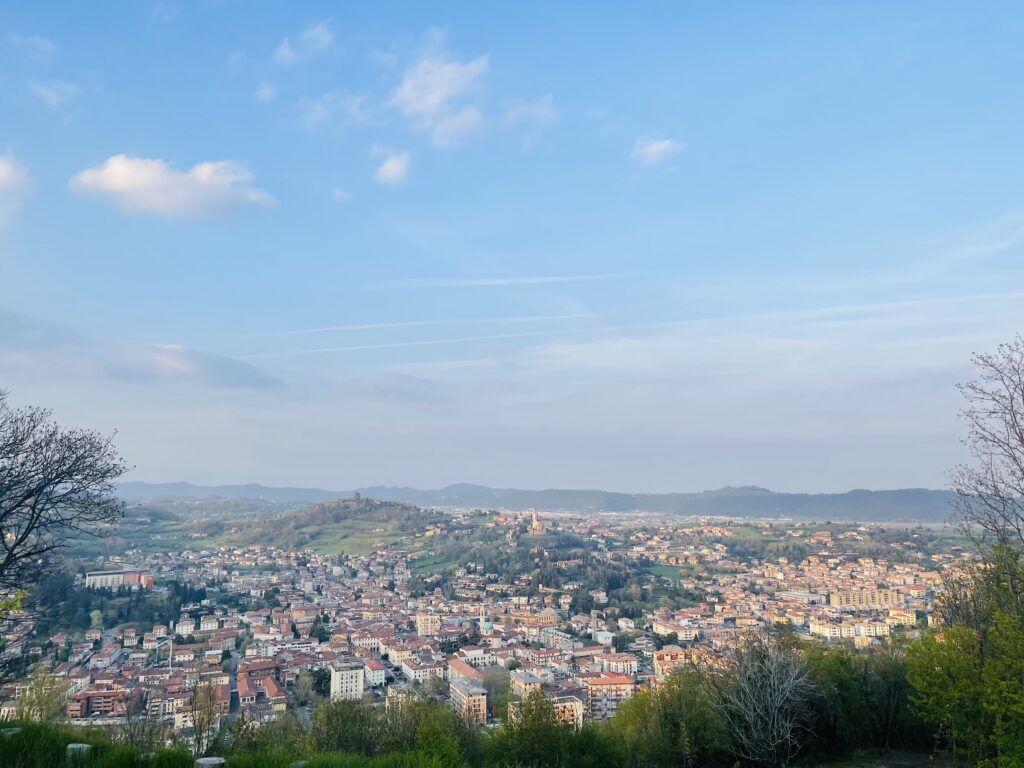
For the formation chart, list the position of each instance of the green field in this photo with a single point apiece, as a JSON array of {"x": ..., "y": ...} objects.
[
  {"x": 432, "y": 565},
  {"x": 670, "y": 572}
]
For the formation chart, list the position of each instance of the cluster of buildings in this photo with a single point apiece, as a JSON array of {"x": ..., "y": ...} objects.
[{"x": 355, "y": 621}]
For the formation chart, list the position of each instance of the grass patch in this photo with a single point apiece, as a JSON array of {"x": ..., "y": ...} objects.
[{"x": 670, "y": 572}]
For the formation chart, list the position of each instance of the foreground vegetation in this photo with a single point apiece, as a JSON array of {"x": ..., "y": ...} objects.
[{"x": 811, "y": 703}]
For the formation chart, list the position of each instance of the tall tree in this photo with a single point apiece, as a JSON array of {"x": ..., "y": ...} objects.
[
  {"x": 990, "y": 489},
  {"x": 55, "y": 483},
  {"x": 990, "y": 493},
  {"x": 674, "y": 725},
  {"x": 764, "y": 698}
]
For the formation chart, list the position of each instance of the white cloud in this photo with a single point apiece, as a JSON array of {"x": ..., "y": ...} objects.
[
  {"x": 284, "y": 53},
  {"x": 451, "y": 129},
  {"x": 433, "y": 82},
  {"x": 54, "y": 93},
  {"x": 394, "y": 169},
  {"x": 525, "y": 111},
  {"x": 317, "y": 37},
  {"x": 15, "y": 184},
  {"x": 648, "y": 151},
  {"x": 35, "y": 46},
  {"x": 341, "y": 195},
  {"x": 314, "y": 39},
  {"x": 13, "y": 176},
  {"x": 334, "y": 108},
  {"x": 265, "y": 93},
  {"x": 152, "y": 186}
]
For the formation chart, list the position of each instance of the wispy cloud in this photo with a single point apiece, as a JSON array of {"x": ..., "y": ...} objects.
[
  {"x": 165, "y": 12},
  {"x": 14, "y": 176},
  {"x": 433, "y": 323},
  {"x": 265, "y": 93},
  {"x": 54, "y": 93},
  {"x": 651, "y": 151},
  {"x": 498, "y": 282},
  {"x": 33, "y": 348},
  {"x": 314, "y": 39},
  {"x": 435, "y": 80},
  {"x": 332, "y": 109},
  {"x": 430, "y": 91},
  {"x": 524, "y": 111},
  {"x": 36, "y": 46},
  {"x": 394, "y": 168},
  {"x": 15, "y": 185},
  {"x": 402, "y": 344},
  {"x": 451, "y": 130},
  {"x": 153, "y": 186}
]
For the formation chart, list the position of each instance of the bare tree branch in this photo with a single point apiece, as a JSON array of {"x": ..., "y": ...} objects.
[
  {"x": 55, "y": 484},
  {"x": 764, "y": 697}
]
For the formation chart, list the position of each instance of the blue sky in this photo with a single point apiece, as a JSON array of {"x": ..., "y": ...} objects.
[{"x": 653, "y": 246}]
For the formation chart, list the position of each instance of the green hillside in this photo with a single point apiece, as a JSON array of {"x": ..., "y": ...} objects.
[{"x": 353, "y": 526}]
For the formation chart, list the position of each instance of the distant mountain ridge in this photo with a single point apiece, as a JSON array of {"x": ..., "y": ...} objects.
[
  {"x": 902, "y": 505},
  {"x": 139, "y": 490}
]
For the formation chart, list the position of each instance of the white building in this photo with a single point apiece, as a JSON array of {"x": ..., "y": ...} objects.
[
  {"x": 375, "y": 673},
  {"x": 347, "y": 679}
]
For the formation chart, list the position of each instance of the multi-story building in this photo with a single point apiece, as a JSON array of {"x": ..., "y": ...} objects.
[
  {"x": 524, "y": 683},
  {"x": 419, "y": 671},
  {"x": 874, "y": 598},
  {"x": 469, "y": 699},
  {"x": 619, "y": 663},
  {"x": 668, "y": 658},
  {"x": 96, "y": 703},
  {"x": 375, "y": 673},
  {"x": 605, "y": 691},
  {"x": 347, "y": 679},
  {"x": 458, "y": 668},
  {"x": 115, "y": 579},
  {"x": 428, "y": 624},
  {"x": 569, "y": 710}
]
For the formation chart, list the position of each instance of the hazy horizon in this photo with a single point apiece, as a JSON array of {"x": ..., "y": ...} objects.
[
  {"x": 662, "y": 248},
  {"x": 626, "y": 491}
]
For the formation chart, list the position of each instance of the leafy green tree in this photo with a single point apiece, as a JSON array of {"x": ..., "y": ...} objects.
[
  {"x": 946, "y": 673},
  {"x": 435, "y": 736},
  {"x": 303, "y": 689},
  {"x": 893, "y": 721},
  {"x": 1003, "y": 689},
  {"x": 347, "y": 726},
  {"x": 531, "y": 737},
  {"x": 674, "y": 725},
  {"x": 596, "y": 746},
  {"x": 842, "y": 711},
  {"x": 322, "y": 682}
]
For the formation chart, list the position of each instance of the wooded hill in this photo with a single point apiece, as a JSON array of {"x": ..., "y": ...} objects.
[{"x": 903, "y": 505}]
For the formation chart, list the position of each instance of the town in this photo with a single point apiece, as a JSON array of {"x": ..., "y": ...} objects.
[{"x": 259, "y": 631}]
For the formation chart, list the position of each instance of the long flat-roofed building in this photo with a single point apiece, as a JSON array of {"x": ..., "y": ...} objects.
[
  {"x": 133, "y": 577},
  {"x": 865, "y": 599}
]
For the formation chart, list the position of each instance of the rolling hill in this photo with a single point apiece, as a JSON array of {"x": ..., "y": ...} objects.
[
  {"x": 350, "y": 525},
  {"x": 903, "y": 505}
]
